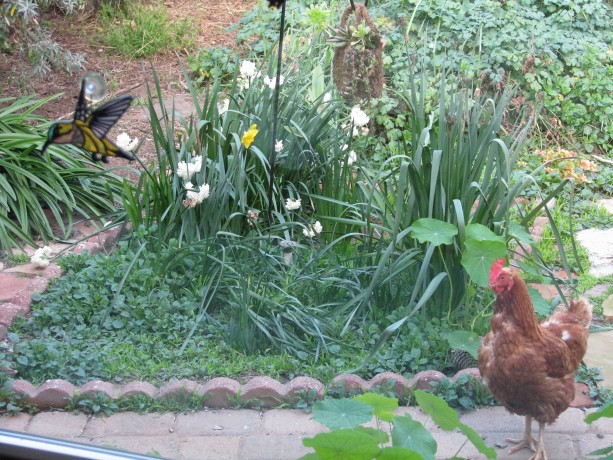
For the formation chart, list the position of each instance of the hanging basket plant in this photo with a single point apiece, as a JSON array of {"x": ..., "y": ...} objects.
[{"x": 358, "y": 55}]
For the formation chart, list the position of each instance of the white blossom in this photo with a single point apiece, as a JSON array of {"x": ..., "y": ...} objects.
[
  {"x": 312, "y": 230},
  {"x": 126, "y": 143},
  {"x": 223, "y": 106},
  {"x": 40, "y": 259},
  {"x": 308, "y": 232},
  {"x": 272, "y": 82},
  {"x": 291, "y": 205},
  {"x": 186, "y": 170},
  {"x": 248, "y": 70},
  {"x": 359, "y": 117},
  {"x": 279, "y": 146},
  {"x": 194, "y": 198},
  {"x": 327, "y": 97},
  {"x": 352, "y": 157}
]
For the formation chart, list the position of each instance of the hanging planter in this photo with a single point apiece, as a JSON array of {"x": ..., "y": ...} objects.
[{"x": 358, "y": 58}]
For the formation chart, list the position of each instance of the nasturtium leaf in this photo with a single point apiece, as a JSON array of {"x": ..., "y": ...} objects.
[
  {"x": 520, "y": 233},
  {"x": 343, "y": 444},
  {"x": 412, "y": 435},
  {"x": 433, "y": 231},
  {"x": 311, "y": 456},
  {"x": 398, "y": 453},
  {"x": 380, "y": 437},
  {"x": 480, "y": 232},
  {"x": 437, "y": 408},
  {"x": 477, "y": 441},
  {"x": 341, "y": 413},
  {"x": 604, "y": 411},
  {"x": 603, "y": 451},
  {"x": 478, "y": 258},
  {"x": 541, "y": 306},
  {"x": 464, "y": 340},
  {"x": 383, "y": 407}
]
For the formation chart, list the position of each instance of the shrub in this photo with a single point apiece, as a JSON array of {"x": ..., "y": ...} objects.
[{"x": 20, "y": 30}]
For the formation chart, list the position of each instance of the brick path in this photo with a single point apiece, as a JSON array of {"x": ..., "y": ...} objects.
[{"x": 277, "y": 434}]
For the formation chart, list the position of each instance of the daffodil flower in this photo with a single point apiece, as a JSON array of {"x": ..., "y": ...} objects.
[{"x": 249, "y": 136}]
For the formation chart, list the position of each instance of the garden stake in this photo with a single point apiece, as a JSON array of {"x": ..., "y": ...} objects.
[{"x": 275, "y": 111}]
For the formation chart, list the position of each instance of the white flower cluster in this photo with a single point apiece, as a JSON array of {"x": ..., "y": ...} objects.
[
  {"x": 312, "y": 230},
  {"x": 186, "y": 170},
  {"x": 272, "y": 82},
  {"x": 223, "y": 106},
  {"x": 279, "y": 146},
  {"x": 292, "y": 205},
  {"x": 248, "y": 72},
  {"x": 40, "y": 259},
  {"x": 126, "y": 143},
  {"x": 194, "y": 198},
  {"x": 359, "y": 117},
  {"x": 352, "y": 157}
]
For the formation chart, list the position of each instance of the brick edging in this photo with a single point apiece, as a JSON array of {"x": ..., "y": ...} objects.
[{"x": 219, "y": 392}]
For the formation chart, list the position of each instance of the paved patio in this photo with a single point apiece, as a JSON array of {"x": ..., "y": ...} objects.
[{"x": 277, "y": 434}]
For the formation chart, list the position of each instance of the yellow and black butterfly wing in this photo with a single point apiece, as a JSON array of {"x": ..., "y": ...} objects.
[
  {"x": 104, "y": 117},
  {"x": 83, "y": 109},
  {"x": 275, "y": 3}
]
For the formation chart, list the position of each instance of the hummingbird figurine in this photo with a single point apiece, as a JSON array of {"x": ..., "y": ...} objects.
[{"x": 89, "y": 127}]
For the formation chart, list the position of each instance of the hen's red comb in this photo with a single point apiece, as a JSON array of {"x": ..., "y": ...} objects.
[{"x": 496, "y": 269}]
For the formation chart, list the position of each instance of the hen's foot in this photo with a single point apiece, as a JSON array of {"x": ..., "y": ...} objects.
[
  {"x": 540, "y": 454},
  {"x": 526, "y": 443}
]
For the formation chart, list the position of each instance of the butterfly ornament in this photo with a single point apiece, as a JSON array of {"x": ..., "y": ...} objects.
[{"x": 88, "y": 128}]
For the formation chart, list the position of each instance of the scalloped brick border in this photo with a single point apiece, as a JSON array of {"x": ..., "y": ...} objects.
[{"x": 219, "y": 392}]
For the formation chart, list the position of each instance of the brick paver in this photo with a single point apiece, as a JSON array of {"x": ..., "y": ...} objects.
[{"x": 278, "y": 434}]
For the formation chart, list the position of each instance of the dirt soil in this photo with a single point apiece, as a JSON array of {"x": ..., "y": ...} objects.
[{"x": 211, "y": 19}]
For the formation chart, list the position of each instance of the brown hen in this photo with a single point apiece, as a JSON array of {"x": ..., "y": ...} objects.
[{"x": 527, "y": 366}]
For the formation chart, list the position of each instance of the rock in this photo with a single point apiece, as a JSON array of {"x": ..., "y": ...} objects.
[
  {"x": 607, "y": 309},
  {"x": 599, "y": 245},
  {"x": 607, "y": 204}
]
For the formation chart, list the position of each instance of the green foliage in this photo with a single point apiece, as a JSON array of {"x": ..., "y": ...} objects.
[
  {"x": 138, "y": 30},
  {"x": 409, "y": 438},
  {"x": 35, "y": 189},
  {"x": 557, "y": 51},
  {"x": 21, "y": 31},
  {"x": 466, "y": 392},
  {"x": 212, "y": 63}
]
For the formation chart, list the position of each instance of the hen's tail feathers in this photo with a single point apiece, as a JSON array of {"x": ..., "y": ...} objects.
[{"x": 583, "y": 310}]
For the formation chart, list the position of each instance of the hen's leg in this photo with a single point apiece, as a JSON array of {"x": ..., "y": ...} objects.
[
  {"x": 540, "y": 452},
  {"x": 527, "y": 442}
]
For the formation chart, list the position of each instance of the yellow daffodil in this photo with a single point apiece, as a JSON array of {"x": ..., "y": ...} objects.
[{"x": 249, "y": 136}]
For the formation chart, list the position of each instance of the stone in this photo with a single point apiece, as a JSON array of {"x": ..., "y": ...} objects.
[
  {"x": 8, "y": 311},
  {"x": 194, "y": 448},
  {"x": 599, "y": 346},
  {"x": 607, "y": 204},
  {"x": 607, "y": 309},
  {"x": 422, "y": 380},
  {"x": 401, "y": 386},
  {"x": 154, "y": 446},
  {"x": 58, "y": 424},
  {"x": 299, "y": 387},
  {"x": 179, "y": 390},
  {"x": 53, "y": 394},
  {"x": 281, "y": 447},
  {"x": 538, "y": 227},
  {"x": 291, "y": 421},
  {"x": 582, "y": 396},
  {"x": 138, "y": 389},
  {"x": 10, "y": 285},
  {"x": 596, "y": 291},
  {"x": 350, "y": 383},
  {"x": 130, "y": 424},
  {"x": 18, "y": 422},
  {"x": 220, "y": 391},
  {"x": 599, "y": 245},
  {"x": 226, "y": 422},
  {"x": 262, "y": 392}
]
